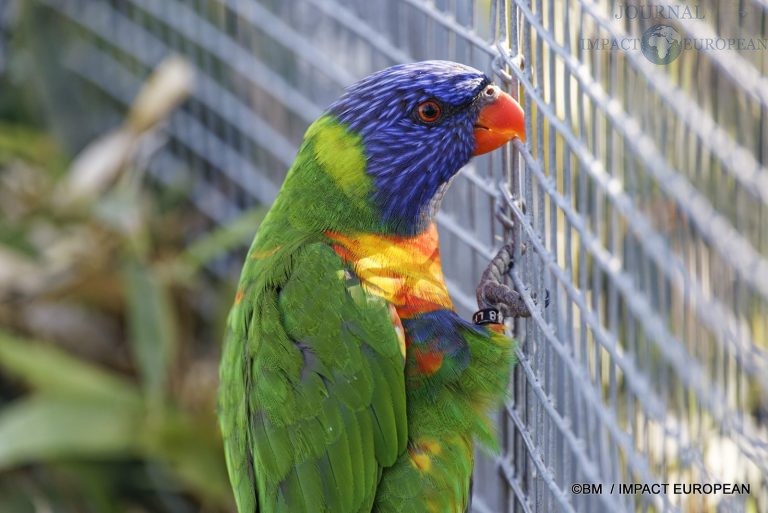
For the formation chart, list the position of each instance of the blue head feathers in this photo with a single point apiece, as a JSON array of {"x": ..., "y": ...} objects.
[{"x": 416, "y": 122}]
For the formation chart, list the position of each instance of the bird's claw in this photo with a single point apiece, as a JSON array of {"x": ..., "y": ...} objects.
[
  {"x": 492, "y": 292},
  {"x": 508, "y": 301}
]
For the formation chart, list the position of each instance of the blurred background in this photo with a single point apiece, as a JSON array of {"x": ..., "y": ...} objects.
[{"x": 141, "y": 143}]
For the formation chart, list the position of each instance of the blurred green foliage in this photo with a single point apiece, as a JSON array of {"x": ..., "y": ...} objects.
[{"x": 109, "y": 333}]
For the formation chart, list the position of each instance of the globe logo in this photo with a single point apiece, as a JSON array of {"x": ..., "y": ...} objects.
[{"x": 661, "y": 44}]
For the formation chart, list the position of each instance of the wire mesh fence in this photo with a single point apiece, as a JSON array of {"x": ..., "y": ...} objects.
[{"x": 640, "y": 203}]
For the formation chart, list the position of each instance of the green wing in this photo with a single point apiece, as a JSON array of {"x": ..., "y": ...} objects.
[{"x": 312, "y": 397}]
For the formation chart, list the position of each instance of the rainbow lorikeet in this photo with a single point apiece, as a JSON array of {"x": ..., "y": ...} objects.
[{"x": 348, "y": 382}]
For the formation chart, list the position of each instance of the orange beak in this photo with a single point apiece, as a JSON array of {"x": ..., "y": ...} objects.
[{"x": 498, "y": 123}]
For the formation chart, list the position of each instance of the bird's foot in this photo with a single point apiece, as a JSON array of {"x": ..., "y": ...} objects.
[
  {"x": 509, "y": 302},
  {"x": 491, "y": 292}
]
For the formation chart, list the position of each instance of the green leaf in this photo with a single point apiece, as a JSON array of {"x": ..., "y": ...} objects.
[
  {"x": 43, "y": 428},
  {"x": 49, "y": 369},
  {"x": 152, "y": 327},
  {"x": 17, "y": 494},
  {"x": 206, "y": 248},
  {"x": 192, "y": 448},
  {"x": 20, "y": 142},
  {"x": 14, "y": 236}
]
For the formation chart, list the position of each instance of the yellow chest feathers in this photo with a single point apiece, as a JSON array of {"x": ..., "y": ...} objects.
[{"x": 405, "y": 271}]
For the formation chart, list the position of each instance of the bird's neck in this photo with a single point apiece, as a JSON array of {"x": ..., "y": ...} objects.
[{"x": 404, "y": 270}]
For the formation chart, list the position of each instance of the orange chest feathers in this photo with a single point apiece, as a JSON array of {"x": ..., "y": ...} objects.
[{"x": 405, "y": 271}]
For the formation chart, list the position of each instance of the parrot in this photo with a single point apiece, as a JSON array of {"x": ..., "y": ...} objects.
[{"x": 348, "y": 382}]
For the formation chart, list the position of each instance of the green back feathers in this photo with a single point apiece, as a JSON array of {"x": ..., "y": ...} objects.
[
  {"x": 254, "y": 332},
  {"x": 312, "y": 389}
]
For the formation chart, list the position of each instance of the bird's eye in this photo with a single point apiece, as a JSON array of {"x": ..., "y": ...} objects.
[{"x": 429, "y": 111}]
